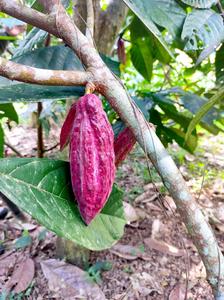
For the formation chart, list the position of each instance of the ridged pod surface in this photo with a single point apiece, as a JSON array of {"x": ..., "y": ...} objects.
[
  {"x": 92, "y": 159},
  {"x": 123, "y": 145}
]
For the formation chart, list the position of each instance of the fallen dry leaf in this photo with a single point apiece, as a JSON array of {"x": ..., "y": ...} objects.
[
  {"x": 147, "y": 196},
  {"x": 178, "y": 292},
  {"x": 129, "y": 252},
  {"x": 22, "y": 276},
  {"x": 153, "y": 186},
  {"x": 169, "y": 203},
  {"x": 163, "y": 247},
  {"x": 130, "y": 213},
  {"x": 7, "y": 262},
  {"x": 156, "y": 228},
  {"x": 144, "y": 284},
  {"x": 70, "y": 282}
]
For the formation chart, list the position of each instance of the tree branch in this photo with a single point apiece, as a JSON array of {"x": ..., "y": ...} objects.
[
  {"x": 109, "y": 86},
  {"x": 90, "y": 20},
  {"x": 23, "y": 73}
]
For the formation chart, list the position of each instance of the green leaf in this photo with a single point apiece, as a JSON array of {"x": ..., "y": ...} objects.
[
  {"x": 141, "y": 8},
  {"x": 142, "y": 60},
  {"x": 219, "y": 65},
  {"x": 23, "y": 242},
  {"x": 139, "y": 31},
  {"x": 203, "y": 29},
  {"x": 200, "y": 3},
  {"x": 33, "y": 38},
  {"x": 42, "y": 188},
  {"x": 194, "y": 102},
  {"x": 1, "y": 141},
  {"x": 203, "y": 111},
  {"x": 7, "y": 110},
  {"x": 22, "y": 92}
]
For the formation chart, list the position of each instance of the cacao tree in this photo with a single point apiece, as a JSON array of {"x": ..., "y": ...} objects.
[{"x": 152, "y": 33}]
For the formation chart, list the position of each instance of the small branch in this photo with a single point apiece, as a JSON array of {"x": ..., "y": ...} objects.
[
  {"x": 40, "y": 140},
  {"x": 13, "y": 149},
  {"x": 90, "y": 20},
  {"x": 27, "y": 74},
  {"x": 51, "y": 148}
]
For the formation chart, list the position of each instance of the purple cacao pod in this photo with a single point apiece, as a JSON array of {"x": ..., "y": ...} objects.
[
  {"x": 67, "y": 127},
  {"x": 92, "y": 159},
  {"x": 123, "y": 145},
  {"x": 121, "y": 51}
]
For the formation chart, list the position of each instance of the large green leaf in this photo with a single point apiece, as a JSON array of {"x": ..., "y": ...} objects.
[
  {"x": 139, "y": 31},
  {"x": 41, "y": 187},
  {"x": 203, "y": 29},
  {"x": 21, "y": 92},
  {"x": 219, "y": 65},
  {"x": 142, "y": 58},
  {"x": 33, "y": 38},
  {"x": 142, "y": 9},
  {"x": 56, "y": 58},
  {"x": 200, "y": 3},
  {"x": 7, "y": 110},
  {"x": 204, "y": 109}
]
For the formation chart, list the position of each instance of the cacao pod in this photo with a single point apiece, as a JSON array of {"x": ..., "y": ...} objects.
[
  {"x": 92, "y": 159},
  {"x": 121, "y": 51},
  {"x": 67, "y": 127},
  {"x": 123, "y": 145}
]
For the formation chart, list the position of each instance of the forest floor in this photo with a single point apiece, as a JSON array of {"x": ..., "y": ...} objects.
[{"x": 155, "y": 259}]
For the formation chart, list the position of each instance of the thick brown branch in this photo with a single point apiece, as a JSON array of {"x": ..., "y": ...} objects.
[{"x": 27, "y": 74}]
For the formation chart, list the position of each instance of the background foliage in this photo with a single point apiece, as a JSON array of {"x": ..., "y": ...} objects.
[{"x": 171, "y": 65}]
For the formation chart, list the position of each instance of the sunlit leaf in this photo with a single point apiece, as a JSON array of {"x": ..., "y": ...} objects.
[{"x": 41, "y": 187}]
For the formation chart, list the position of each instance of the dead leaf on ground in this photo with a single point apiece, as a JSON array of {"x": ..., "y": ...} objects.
[
  {"x": 153, "y": 186},
  {"x": 7, "y": 262},
  {"x": 129, "y": 252},
  {"x": 70, "y": 282},
  {"x": 130, "y": 213},
  {"x": 163, "y": 247},
  {"x": 22, "y": 276},
  {"x": 178, "y": 292},
  {"x": 156, "y": 228},
  {"x": 147, "y": 196},
  {"x": 144, "y": 284},
  {"x": 169, "y": 203}
]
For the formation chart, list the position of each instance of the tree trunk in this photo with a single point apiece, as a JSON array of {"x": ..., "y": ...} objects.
[{"x": 106, "y": 29}]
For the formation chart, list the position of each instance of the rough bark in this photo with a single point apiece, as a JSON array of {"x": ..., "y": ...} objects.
[
  {"x": 106, "y": 29},
  {"x": 109, "y": 27}
]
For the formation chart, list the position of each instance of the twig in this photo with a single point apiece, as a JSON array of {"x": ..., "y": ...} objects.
[
  {"x": 51, "y": 148},
  {"x": 90, "y": 21},
  {"x": 13, "y": 149},
  {"x": 40, "y": 140}
]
